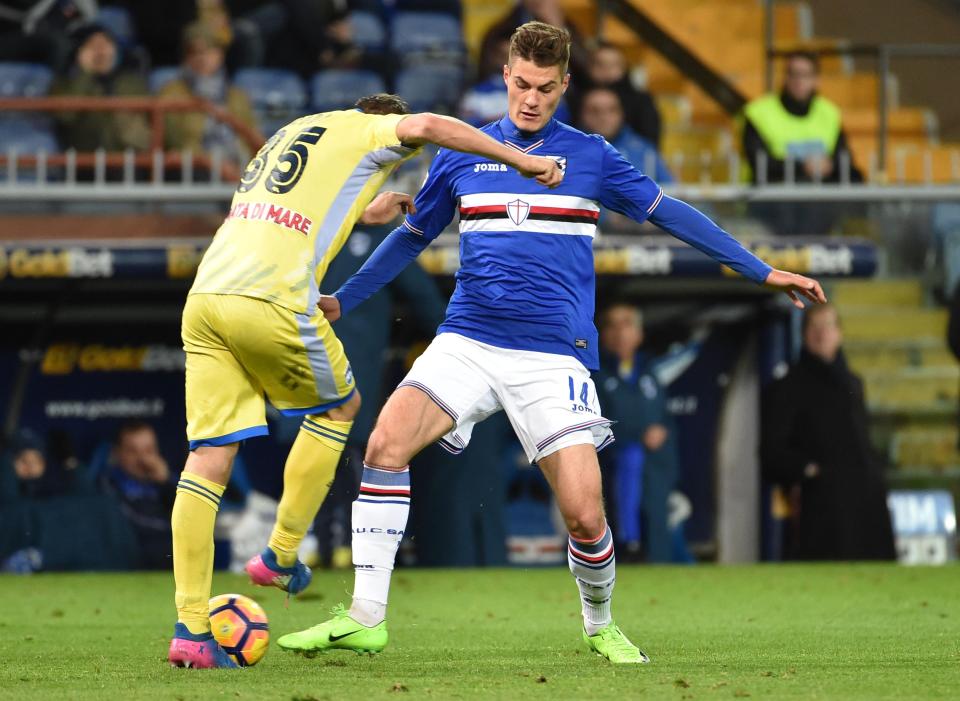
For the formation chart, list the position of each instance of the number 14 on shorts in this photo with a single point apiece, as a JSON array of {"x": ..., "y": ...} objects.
[{"x": 584, "y": 404}]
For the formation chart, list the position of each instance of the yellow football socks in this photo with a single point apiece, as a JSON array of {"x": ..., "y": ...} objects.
[
  {"x": 307, "y": 477},
  {"x": 194, "y": 513}
]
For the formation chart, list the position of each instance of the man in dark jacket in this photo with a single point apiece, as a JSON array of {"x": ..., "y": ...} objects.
[
  {"x": 99, "y": 71},
  {"x": 139, "y": 479},
  {"x": 815, "y": 444}
]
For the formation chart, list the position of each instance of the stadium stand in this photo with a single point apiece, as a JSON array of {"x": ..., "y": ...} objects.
[
  {"x": 278, "y": 95},
  {"x": 161, "y": 76},
  {"x": 704, "y": 127},
  {"x": 332, "y": 89},
  {"x": 418, "y": 36},
  {"x": 119, "y": 22},
  {"x": 368, "y": 31},
  {"x": 24, "y": 79},
  {"x": 26, "y": 135},
  {"x": 433, "y": 86},
  {"x": 896, "y": 341}
]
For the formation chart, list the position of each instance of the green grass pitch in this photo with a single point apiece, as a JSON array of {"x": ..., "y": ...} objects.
[{"x": 762, "y": 632}]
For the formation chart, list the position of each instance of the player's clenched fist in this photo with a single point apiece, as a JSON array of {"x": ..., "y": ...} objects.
[
  {"x": 329, "y": 306},
  {"x": 546, "y": 170},
  {"x": 386, "y": 207}
]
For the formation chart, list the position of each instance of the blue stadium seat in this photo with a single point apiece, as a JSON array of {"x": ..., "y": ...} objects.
[
  {"x": 368, "y": 31},
  {"x": 278, "y": 95},
  {"x": 161, "y": 76},
  {"x": 272, "y": 89},
  {"x": 25, "y": 135},
  {"x": 118, "y": 21},
  {"x": 338, "y": 89},
  {"x": 431, "y": 33},
  {"x": 24, "y": 80},
  {"x": 429, "y": 86}
]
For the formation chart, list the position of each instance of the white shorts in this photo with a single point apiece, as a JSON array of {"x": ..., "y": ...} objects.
[{"x": 550, "y": 399}]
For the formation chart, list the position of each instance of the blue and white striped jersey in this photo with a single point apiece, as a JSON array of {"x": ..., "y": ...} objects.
[{"x": 526, "y": 278}]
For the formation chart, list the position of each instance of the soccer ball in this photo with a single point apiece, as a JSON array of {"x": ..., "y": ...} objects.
[{"x": 239, "y": 624}]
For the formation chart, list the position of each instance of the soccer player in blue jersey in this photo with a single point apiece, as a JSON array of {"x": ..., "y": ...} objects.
[{"x": 518, "y": 336}]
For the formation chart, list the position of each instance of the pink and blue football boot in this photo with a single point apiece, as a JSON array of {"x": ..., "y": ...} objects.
[
  {"x": 265, "y": 572},
  {"x": 198, "y": 651}
]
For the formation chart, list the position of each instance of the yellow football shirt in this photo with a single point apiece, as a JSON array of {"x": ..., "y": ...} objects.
[{"x": 297, "y": 202}]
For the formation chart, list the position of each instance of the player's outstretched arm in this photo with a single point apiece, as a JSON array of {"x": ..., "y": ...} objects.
[
  {"x": 690, "y": 225},
  {"x": 630, "y": 192},
  {"x": 393, "y": 254},
  {"x": 455, "y": 135}
]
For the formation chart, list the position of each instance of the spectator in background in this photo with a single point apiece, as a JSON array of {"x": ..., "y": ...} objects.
[
  {"x": 338, "y": 49},
  {"x": 39, "y": 469},
  {"x": 645, "y": 461},
  {"x": 302, "y": 35},
  {"x": 815, "y": 445},
  {"x": 204, "y": 75},
  {"x": 486, "y": 101},
  {"x": 601, "y": 112},
  {"x": 797, "y": 123},
  {"x": 40, "y": 490},
  {"x": 548, "y": 11},
  {"x": 98, "y": 70},
  {"x": 139, "y": 477},
  {"x": 39, "y": 31},
  {"x": 608, "y": 68}
]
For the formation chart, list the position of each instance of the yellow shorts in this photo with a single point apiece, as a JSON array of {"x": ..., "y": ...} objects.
[{"x": 240, "y": 349}]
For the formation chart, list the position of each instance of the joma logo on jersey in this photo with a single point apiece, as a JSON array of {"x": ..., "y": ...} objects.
[
  {"x": 518, "y": 211},
  {"x": 489, "y": 168}
]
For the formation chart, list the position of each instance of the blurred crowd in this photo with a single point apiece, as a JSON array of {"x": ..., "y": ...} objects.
[
  {"x": 268, "y": 62},
  {"x": 110, "y": 512},
  {"x": 107, "y": 510},
  {"x": 260, "y": 59}
]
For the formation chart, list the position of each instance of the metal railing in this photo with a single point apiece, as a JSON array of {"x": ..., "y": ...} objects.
[
  {"x": 129, "y": 161},
  {"x": 169, "y": 176},
  {"x": 171, "y": 179}
]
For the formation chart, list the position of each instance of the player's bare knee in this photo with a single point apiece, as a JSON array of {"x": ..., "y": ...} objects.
[
  {"x": 585, "y": 524},
  {"x": 387, "y": 447},
  {"x": 378, "y": 449}
]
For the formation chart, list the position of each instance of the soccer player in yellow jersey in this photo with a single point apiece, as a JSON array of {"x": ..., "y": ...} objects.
[{"x": 251, "y": 329}]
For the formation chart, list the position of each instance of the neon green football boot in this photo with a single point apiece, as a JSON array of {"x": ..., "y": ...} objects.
[
  {"x": 339, "y": 633},
  {"x": 610, "y": 642}
]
